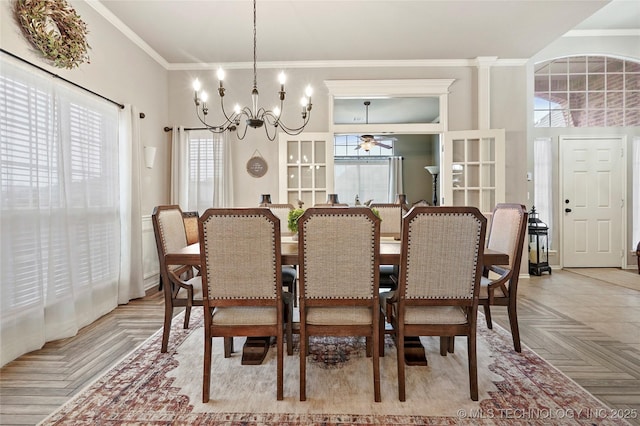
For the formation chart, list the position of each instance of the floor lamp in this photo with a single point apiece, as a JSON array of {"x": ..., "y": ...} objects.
[{"x": 434, "y": 170}]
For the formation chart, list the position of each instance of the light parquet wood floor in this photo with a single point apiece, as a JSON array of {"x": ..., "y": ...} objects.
[{"x": 587, "y": 328}]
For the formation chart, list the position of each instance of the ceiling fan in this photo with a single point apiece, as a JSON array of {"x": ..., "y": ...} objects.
[{"x": 369, "y": 141}]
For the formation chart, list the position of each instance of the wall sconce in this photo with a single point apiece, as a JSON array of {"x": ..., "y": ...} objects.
[{"x": 149, "y": 156}]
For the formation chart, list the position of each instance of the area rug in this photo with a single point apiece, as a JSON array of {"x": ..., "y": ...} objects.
[
  {"x": 616, "y": 276},
  {"x": 149, "y": 387}
]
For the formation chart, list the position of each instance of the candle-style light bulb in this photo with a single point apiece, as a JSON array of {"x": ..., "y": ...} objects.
[
  {"x": 237, "y": 109},
  {"x": 204, "y": 96},
  {"x": 282, "y": 78},
  {"x": 197, "y": 85},
  {"x": 308, "y": 91},
  {"x": 220, "y": 75},
  {"x": 276, "y": 111}
]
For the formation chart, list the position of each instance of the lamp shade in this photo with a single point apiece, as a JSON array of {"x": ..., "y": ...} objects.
[{"x": 434, "y": 170}]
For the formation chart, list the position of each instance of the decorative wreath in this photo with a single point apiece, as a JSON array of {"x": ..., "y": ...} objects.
[{"x": 54, "y": 27}]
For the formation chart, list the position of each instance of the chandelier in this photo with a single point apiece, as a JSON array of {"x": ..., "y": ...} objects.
[{"x": 254, "y": 117}]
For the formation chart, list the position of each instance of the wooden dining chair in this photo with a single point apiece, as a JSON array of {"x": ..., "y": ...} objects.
[
  {"x": 440, "y": 270},
  {"x": 191, "y": 226},
  {"x": 289, "y": 272},
  {"x": 240, "y": 261},
  {"x": 391, "y": 215},
  {"x": 499, "y": 284},
  {"x": 391, "y": 226},
  {"x": 182, "y": 288},
  {"x": 339, "y": 261},
  {"x": 191, "y": 229}
]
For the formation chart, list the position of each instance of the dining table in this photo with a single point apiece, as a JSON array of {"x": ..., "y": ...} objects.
[
  {"x": 255, "y": 349},
  {"x": 389, "y": 254}
]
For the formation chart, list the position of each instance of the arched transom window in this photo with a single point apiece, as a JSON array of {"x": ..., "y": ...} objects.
[{"x": 587, "y": 91}]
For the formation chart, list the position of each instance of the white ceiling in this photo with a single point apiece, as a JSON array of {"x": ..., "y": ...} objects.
[{"x": 186, "y": 33}]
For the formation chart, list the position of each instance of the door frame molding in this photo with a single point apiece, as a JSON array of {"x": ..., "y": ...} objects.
[{"x": 623, "y": 209}]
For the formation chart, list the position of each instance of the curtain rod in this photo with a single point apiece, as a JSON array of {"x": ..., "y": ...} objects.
[
  {"x": 168, "y": 129},
  {"x": 61, "y": 78}
]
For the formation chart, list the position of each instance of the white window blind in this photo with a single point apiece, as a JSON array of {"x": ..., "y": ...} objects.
[
  {"x": 367, "y": 178},
  {"x": 59, "y": 208},
  {"x": 205, "y": 169}
]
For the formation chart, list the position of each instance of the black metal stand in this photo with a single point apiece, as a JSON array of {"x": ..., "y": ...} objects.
[{"x": 435, "y": 189}]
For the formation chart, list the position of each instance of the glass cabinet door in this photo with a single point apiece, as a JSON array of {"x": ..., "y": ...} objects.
[
  {"x": 473, "y": 169},
  {"x": 306, "y": 168}
]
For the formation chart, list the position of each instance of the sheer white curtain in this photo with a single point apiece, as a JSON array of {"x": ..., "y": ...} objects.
[
  {"x": 131, "y": 283},
  {"x": 635, "y": 187},
  {"x": 395, "y": 178},
  {"x": 60, "y": 211},
  {"x": 201, "y": 170},
  {"x": 543, "y": 181},
  {"x": 179, "y": 163}
]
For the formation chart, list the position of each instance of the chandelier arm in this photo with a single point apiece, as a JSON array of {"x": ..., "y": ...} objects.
[
  {"x": 229, "y": 119},
  {"x": 246, "y": 111},
  {"x": 243, "y": 134},
  {"x": 214, "y": 129},
  {"x": 294, "y": 130},
  {"x": 270, "y": 137}
]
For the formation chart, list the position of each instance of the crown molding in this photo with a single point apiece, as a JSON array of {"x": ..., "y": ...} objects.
[
  {"x": 603, "y": 33},
  {"x": 128, "y": 32},
  {"x": 408, "y": 63}
]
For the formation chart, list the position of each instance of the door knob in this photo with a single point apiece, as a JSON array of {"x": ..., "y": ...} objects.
[{"x": 567, "y": 210}]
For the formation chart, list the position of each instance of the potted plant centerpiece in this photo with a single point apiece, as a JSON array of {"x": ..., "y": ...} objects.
[
  {"x": 294, "y": 215},
  {"x": 292, "y": 222}
]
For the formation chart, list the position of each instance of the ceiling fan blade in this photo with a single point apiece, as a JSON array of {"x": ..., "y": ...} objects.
[
  {"x": 385, "y": 138},
  {"x": 384, "y": 145},
  {"x": 358, "y": 147}
]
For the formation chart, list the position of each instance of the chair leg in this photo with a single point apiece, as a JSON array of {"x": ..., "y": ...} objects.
[
  {"x": 295, "y": 293},
  {"x": 473, "y": 365},
  {"x": 368, "y": 346},
  {"x": 303, "y": 365},
  {"x": 381, "y": 326},
  {"x": 515, "y": 331},
  {"x": 444, "y": 345},
  {"x": 280, "y": 368},
  {"x": 376, "y": 365},
  {"x": 487, "y": 315},
  {"x": 452, "y": 344},
  {"x": 400, "y": 349},
  {"x": 206, "y": 379},
  {"x": 187, "y": 315},
  {"x": 289, "y": 327},
  {"x": 228, "y": 346},
  {"x": 166, "y": 329}
]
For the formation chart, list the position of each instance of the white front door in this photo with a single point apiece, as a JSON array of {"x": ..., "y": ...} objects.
[{"x": 592, "y": 201}]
